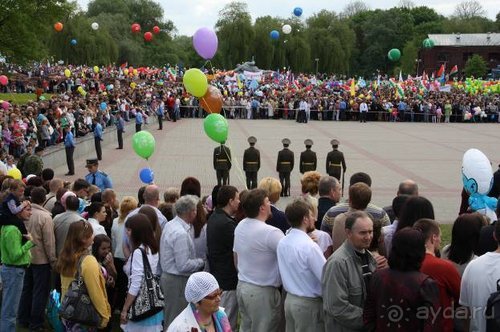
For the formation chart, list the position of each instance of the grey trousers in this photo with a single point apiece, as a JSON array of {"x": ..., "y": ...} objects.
[
  {"x": 303, "y": 314},
  {"x": 229, "y": 302},
  {"x": 260, "y": 308},
  {"x": 173, "y": 287}
]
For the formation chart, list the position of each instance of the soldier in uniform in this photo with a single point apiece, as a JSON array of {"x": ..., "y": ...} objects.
[
  {"x": 97, "y": 177},
  {"x": 335, "y": 162},
  {"x": 251, "y": 163},
  {"x": 308, "y": 158},
  {"x": 222, "y": 164},
  {"x": 284, "y": 166}
]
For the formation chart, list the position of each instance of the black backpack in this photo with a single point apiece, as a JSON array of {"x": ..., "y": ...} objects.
[{"x": 492, "y": 313}]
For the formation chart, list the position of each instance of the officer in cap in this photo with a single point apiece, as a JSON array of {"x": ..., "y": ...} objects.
[
  {"x": 284, "y": 166},
  {"x": 97, "y": 177},
  {"x": 251, "y": 163},
  {"x": 222, "y": 164},
  {"x": 335, "y": 162},
  {"x": 308, "y": 158}
]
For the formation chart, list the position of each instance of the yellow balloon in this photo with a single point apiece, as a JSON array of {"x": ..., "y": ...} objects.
[
  {"x": 15, "y": 173},
  {"x": 195, "y": 82},
  {"x": 80, "y": 89},
  {"x": 96, "y": 69},
  {"x": 67, "y": 72},
  {"x": 133, "y": 85},
  {"x": 136, "y": 72},
  {"x": 125, "y": 72}
]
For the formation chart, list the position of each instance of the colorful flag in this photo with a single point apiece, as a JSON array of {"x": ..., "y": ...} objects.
[
  {"x": 440, "y": 72},
  {"x": 454, "y": 70},
  {"x": 353, "y": 87}
]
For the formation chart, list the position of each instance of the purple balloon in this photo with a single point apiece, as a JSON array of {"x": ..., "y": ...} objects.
[{"x": 205, "y": 43}]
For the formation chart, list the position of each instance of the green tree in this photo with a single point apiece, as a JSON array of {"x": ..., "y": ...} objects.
[
  {"x": 476, "y": 66},
  {"x": 263, "y": 45}
]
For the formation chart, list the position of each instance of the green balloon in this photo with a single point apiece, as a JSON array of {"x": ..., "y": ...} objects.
[
  {"x": 394, "y": 54},
  {"x": 428, "y": 43},
  {"x": 195, "y": 82},
  {"x": 216, "y": 126},
  {"x": 143, "y": 144}
]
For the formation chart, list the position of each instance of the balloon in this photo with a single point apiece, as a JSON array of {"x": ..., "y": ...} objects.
[
  {"x": 286, "y": 29},
  {"x": 148, "y": 36},
  {"x": 156, "y": 29},
  {"x": 5, "y": 105},
  {"x": 67, "y": 72},
  {"x": 297, "y": 11},
  {"x": 135, "y": 72},
  {"x": 212, "y": 100},
  {"x": 205, "y": 43},
  {"x": 110, "y": 87},
  {"x": 394, "y": 54},
  {"x": 58, "y": 26},
  {"x": 195, "y": 82},
  {"x": 96, "y": 69},
  {"x": 4, "y": 80},
  {"x": 15, "y": 173},
  {"x": 73, "y": 42},
  {"x": 136, "y": 28},
  {"x": 146, "y": 175},
  {"x": 103, "y": 106},
  {"x": 95, "y": 26},
  {"x": 274, "y": 34},
  {"x": 216, "y": 126},
  {"x": 133, "y": 85},
  {"x": 42, "y": 98},
  {"x": 143, "y": 144},
  {"x": 125, "y": 71},
  {"x": 428, "y": 43},
  {"x": 3, "y": 168}
]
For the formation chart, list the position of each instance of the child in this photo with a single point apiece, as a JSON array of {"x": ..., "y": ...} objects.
[{"x": 11, "y": 206}]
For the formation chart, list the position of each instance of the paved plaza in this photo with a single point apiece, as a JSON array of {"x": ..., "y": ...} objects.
[{"x": 430, "y": 154}]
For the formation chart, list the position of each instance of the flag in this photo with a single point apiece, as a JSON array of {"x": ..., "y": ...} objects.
[
  {"x": 353, "y": 88},
  {"x": 424, "y": 76},
  {"x": 400, "y": 76},
  {"x": 440, "y": 72},
  {"x": 124, "y": 65},
  {"x": 454, "y": 70}
]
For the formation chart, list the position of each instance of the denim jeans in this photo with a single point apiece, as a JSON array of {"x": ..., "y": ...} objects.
[
  {"x": 35, "y": 296},
  {"x": 12, "y": 280}
]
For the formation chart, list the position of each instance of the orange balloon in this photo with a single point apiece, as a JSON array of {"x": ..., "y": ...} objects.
[
  {"x": 212, "y": 100},
  {"x": 58, "y": 26}
]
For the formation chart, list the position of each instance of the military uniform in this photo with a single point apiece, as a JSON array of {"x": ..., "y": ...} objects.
[
  {"x": 284, "y": 166},
  {"x": 251, "y": 163},
  {"x": 308, "y": 158},
  {"x": 98, "y": 178},
  {"x": 222, "y": 164},
  {"x": 335, "y": 162}
]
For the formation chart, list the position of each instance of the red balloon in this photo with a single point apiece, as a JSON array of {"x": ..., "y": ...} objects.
[
  {"x": 212, "y": 100},
  {"x": 136, "y": 28},
  {"x": 148, "y": 36},
  {"x": 58, "y": 26},
  {"x": 4, "y": 80},
  {"x": 156, "y": 29}
]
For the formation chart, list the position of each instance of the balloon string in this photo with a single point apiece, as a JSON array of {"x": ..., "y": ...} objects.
[{"x": 239, "y": 170}]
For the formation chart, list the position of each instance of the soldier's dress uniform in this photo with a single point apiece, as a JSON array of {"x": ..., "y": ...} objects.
[
  {"x": 308, "y": 159},
  {"x": 335, "y": 162},
  {"x": 251, "y": 163},
  {"x": 284, "y": 166},
  {"x": 222, "y": 164}
]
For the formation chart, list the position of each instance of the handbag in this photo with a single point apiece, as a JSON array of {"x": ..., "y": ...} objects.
[
  {"x": 76, "y": 305},
  {"x": 149, "y": 301}
]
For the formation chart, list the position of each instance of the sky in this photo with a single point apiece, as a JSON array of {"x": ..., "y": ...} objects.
[{"x": 189, "y": 15}]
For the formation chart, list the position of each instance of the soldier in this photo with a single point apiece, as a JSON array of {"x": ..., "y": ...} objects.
[
  {"x": 335, "y": 162},
  {"x": 308, "y": 158},
  {"x": 284, "y": 166},
  {"x": 97, "y": 177},
  {"x": 251, "y": 163},
  {"x": 222, "y": 164}
]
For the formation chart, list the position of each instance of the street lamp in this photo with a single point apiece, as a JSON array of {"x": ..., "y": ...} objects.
[
  {"x": 317, "y": 62},
  {"x": 418, "y": 64}
]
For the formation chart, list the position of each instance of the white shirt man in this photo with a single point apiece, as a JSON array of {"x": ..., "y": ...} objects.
[
  {"x": 255, "y": 245},
  {"x": 301, "y": 262}
]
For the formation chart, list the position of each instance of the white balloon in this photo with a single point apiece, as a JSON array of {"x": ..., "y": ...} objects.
[
  {"x": 286, "y": 29},
  {"x": 95, "y": 26}
]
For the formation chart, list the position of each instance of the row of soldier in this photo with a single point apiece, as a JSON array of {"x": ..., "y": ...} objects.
[{"x": 335, "y": 163}]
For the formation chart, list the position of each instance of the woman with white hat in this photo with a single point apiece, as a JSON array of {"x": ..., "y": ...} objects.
[{"x": 202, "y": 312}]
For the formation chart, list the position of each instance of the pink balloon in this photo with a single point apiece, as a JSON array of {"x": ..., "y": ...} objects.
[
  {"x": 205, "y": 43},
  {"x": 4, "y": 80},
  {"x": 5, "y": 105}
]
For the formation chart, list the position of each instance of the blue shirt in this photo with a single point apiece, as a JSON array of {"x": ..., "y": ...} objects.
[
  {"x": 99, "y": 179},
  {"x": 98, "y": 131},
  {"x": 343, "y": 105},
  {"x": 159, "y": 111},
  {"x": 120, "y": 124},
  {"x": 69, "y": 140},
  {"x": 138, "y": 118}
]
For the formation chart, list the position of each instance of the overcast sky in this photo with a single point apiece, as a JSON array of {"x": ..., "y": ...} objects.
[{"x": 189, "y": 15}]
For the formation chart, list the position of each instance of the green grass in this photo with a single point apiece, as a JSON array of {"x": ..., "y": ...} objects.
[
  {"x": 22, "y": 98},
  {"x": 446, "y": 234}
]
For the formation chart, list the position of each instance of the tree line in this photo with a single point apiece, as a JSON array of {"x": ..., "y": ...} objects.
[{"x": 352, "y": 42}]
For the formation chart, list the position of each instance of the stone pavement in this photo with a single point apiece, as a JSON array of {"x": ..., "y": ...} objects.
[{"x": 430, "y": 154}]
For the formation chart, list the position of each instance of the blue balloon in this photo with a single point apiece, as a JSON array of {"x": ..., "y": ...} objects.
[
  {"x": 297, "y": 11},
  {"x": 73, "y": 42},
  {"x": 103, "y": 106},
  {"x": 146, "y": 175},
  {"x": 274, "y": 34}
]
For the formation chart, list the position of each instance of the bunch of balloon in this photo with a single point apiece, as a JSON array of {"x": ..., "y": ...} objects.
[{"x": 144, "y": 145}]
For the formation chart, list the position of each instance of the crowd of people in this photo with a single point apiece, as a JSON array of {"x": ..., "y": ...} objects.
[{"x": 231, "y": 259}]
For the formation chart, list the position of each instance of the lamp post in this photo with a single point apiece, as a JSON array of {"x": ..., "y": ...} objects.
[
  {"x": 317, "y": 62},
  {"x": 418, "y": 64}
]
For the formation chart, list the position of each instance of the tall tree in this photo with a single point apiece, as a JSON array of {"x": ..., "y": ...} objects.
[
  {"x": 476, "y": 66},
  {"x": 468, "y": 9},
  {"x": 263, "y": 45},
  {"x": 354, "y": 7}
]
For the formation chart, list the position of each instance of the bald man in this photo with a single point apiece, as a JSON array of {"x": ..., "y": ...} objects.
[{"x": 407, "y": 187}]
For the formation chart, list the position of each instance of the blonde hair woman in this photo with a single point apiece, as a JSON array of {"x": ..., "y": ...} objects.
[{"x": 273, "y": 188}]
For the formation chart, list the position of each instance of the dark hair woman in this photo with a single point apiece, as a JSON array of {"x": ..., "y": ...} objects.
[{"x": 415, "y": 208}]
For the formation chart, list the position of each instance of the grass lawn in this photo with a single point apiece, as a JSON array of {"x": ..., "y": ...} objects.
[
  {"x": 446, "y": 234},
  {"x": 21, "y": 98}
]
